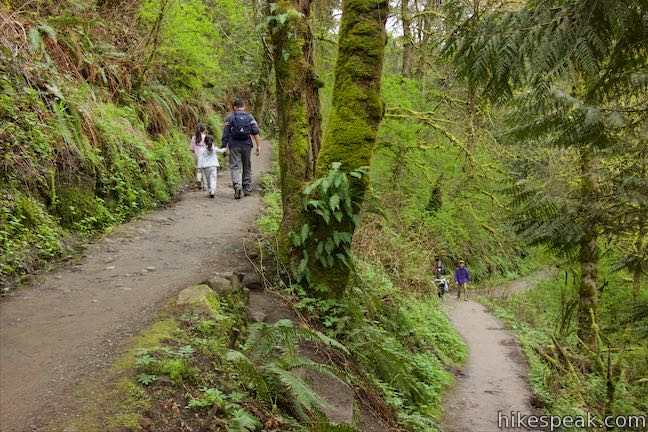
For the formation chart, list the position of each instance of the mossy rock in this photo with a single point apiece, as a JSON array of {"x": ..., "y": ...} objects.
[
  {"x": 200, "y": 300},
  {"x": 224, "y": 283}
]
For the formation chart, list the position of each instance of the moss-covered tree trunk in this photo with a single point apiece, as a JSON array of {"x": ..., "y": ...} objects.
[
  {"x": 588, "y": 257},
  {"x": 298, "y": 108},
  {"x": 356, "y": 111}
]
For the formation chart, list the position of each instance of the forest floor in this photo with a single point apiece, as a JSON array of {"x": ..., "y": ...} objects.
[
  {"x": 494, "y": 378},
  {"x": 70, "y": 324}
]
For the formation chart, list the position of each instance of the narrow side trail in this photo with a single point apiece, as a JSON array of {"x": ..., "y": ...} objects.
[
  {"x": 68, "y": 326},
  {"x": 494, "y": 378}
]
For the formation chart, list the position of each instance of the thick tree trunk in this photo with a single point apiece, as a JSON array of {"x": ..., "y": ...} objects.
[
  {"x": 356, "y": 111},
  {"x": 589, "y": 256},
  {"x": 298, "y": 107},
  {"x": 408, "y": 43}
]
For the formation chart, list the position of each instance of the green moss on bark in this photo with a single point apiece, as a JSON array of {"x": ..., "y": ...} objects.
[
  {"x": 357, "y": 106},
  {"x": 298, "y": 110},
  {"x": 356, "y": 111}
]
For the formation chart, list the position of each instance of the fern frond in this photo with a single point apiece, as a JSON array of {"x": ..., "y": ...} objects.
[
  {"x": 242, "y": 421},
  {"x": 389, "y": 365},
  {"x": 249, "y": 371},
  {"x": 327, "y": 370},
  {"x": 302, "y": 394},
  {"x": 264, "y": 338},
  {"x": 35, "y": 41}
]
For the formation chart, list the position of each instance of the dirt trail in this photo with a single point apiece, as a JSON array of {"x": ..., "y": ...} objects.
[
  {"x": 494, "y": 378},
  {"x": 66, "y": 328}
]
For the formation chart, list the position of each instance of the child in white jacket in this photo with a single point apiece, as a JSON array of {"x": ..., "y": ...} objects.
[
  {"x": 196, "y": 146},
  {"x": 208, "y": 163}
]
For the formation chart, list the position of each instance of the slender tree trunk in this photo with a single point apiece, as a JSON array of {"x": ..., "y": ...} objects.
[
  {"x": 471, "y": 130},
  {"x": 426, "y": 30},
  {"x": 408, "y": 43},
  {"x": 356, "y": 111},
  {"x": 262, "y": 88},
  {"x": 639, "y": 246},
  {"x": 588, "y": 257},
  {"x": 298, "y": 107},
  {"x": 154, "y": 38},
  {"x": 262, "y": 91},
  {"x": 636, "y": 285},
  {"x": 587, "y": 290},
  {"x": 637, "y": 267}
]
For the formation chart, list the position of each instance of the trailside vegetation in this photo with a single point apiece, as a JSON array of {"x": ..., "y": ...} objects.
[
  {"x": 569, "y": 81},
  {"x": 573, "y": 74},
  {"x": 507, "y": 134},
  {"x": 98, "y": 99}
]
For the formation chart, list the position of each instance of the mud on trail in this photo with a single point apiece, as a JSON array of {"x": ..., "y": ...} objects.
[{"x": 68, "y": 326}]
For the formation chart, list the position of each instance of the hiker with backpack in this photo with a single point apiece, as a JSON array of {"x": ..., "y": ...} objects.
[
  {"x": 440, "y": 279},
  {"x": 239, "y": 131}
]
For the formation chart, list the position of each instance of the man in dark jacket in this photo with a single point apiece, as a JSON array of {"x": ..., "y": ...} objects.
[{"x": 239, "y": 131}]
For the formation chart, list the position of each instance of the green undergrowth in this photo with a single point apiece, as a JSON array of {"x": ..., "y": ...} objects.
[
  {"x": 170, "y": 375},
  {"x": 401, "y": 346},
  {"x": 268, "y": 223},
  {"x": 438, "y": 196},
  {"x": 565, "y": 378},
  {"x": 213, "y": 370},
  {"x": 62, "y": 182},
  {"x": 93, "y": 125}
]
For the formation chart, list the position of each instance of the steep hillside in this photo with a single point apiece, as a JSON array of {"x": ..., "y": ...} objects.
[{"x": 98, "y": 99}]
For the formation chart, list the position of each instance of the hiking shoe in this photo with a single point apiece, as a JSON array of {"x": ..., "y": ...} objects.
[
  {"x": 247, "y": 193},
  {"x": 211, "y": 195},
  {"x": 237, "y": 192},
  {"x": 465, "y": 298}
]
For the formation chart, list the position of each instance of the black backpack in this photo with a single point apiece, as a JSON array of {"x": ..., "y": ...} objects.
[{"x": 241, "y": 126}]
